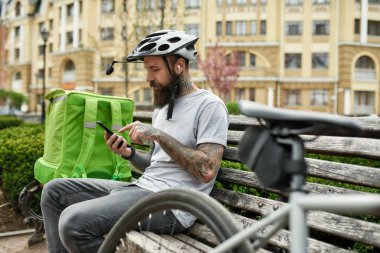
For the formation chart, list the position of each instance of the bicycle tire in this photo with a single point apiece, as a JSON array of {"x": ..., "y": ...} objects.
[{"x": 206, "y": 209}]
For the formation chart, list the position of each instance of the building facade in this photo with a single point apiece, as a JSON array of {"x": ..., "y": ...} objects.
[{"x": 320, "y": 55}]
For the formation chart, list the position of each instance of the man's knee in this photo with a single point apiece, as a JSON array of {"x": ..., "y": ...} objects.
[{"x": 70, "y": 223}]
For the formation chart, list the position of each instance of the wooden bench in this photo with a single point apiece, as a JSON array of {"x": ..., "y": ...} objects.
[{"x": 328, "y": 232}]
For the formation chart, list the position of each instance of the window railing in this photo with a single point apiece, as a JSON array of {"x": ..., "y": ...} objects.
[{"x": 365, "y": 74}]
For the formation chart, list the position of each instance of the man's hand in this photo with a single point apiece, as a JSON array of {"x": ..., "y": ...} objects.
[
  {"x": 113, "y": 142},
  {"x": 139, "y": 132}
]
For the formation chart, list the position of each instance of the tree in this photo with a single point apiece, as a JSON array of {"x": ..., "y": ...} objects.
[{"x": 220, "y": 70}]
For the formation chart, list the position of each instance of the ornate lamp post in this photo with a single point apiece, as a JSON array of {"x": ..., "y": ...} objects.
[{"x": 45, "y": 36}]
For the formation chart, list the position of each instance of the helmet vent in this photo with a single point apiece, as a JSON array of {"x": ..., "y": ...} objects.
[
  {"x": 174, "y": 40},
  {"x": 190, "y": 47},
  {"x": 148, "y": 47},
  {"x": 142, "y": 42},
  {"x": 163, "y": 47}
]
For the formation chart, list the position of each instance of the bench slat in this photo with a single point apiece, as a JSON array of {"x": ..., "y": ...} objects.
[
  {"x": 196, "y": 244},
  {"x": 171, "y": 244},
  {"x": 327, "y": 145},
  {"x": 248, "y": 178},
  {"x": 342, "y": 226},
  {"x": 282, "y": 238},
  {"x": 348, "y": 173}
]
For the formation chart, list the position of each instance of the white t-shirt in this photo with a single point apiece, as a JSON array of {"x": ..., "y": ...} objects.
[{"x": 199, "y": 117}]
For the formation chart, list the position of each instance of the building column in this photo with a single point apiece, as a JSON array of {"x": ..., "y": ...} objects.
[
  {"x": 76, "y": 24},
  {"x": 63, "y": 28},
  {"x": 270, "y": 96},
  {"x": 347, "y": 102},
  {"x": 364, "y": 21}
]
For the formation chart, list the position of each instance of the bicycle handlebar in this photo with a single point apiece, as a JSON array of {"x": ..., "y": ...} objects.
[{"x": 292, "y": 119}]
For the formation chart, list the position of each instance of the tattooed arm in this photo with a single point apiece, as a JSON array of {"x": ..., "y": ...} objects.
[{"x": 203, "y": 162}]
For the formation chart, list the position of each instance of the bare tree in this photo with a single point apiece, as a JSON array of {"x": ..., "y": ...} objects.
[{"x": 221, "y": 70}]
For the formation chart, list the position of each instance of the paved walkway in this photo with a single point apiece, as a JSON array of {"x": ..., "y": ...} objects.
[{"x": 19, "y": 244}]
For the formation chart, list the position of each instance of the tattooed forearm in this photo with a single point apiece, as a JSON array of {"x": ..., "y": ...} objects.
[{"x": 203, "y": 162}]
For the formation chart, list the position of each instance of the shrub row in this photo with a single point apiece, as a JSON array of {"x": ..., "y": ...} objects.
[
  {"x": 20, "y": 147},
  {"x": 9, "y": 121}
]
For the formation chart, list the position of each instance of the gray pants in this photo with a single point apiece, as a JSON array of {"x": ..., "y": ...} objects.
[{"x": 79, "y": 212}]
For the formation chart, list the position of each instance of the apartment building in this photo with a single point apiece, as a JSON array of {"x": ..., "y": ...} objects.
[{"x": 320, "y": 55}]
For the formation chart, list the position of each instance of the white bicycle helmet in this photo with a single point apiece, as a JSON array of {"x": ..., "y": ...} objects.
[{"x": 165, "y": 42}]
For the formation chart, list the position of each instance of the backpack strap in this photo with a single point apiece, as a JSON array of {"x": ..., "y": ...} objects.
[
  {"x": 122, "y": 170},
  {"x": 88, "y": 141}
]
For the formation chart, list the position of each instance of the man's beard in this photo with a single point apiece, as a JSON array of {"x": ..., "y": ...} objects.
[{"x": 163, "y": 95}]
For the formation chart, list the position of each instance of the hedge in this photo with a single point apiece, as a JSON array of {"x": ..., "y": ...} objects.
[
  {"x": 20, "y": 147},
  {"x": 9, "y": 121}
]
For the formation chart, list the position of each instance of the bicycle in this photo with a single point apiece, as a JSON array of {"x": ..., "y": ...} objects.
[{"x": 279, "y": 135}]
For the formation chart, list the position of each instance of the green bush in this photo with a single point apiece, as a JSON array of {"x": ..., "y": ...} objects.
[
  {"x": 20, "y": 147},
  {"x": 9, "y": 121},
  {"x": 233, "y": 108}
]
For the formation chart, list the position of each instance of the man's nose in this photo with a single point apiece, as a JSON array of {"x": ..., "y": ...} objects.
[{"x": 149, "y": 77}]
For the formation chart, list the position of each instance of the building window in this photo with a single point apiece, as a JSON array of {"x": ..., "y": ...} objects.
[
  {"x": 263, "y": 2},
  {"x": 40, "y": 50},
  {"x": 357, "y": 26},
  {"x": 241, "y": 28},
  {"x": 252, "y": 60},
  {"x": 218, "y": 28},
  {"x": 292, "y": 97},
  {"x": 41, "y": 26},
  {"x": 293, "y": 28},
  {"x": 17, "y": 32},
  {"x": 321, "y": 1},
  {"x": 70, "y": 10},
  {"x": 239, "y": 94},
  {"x": 263, "y": 27},
  {"x": 374, "y": 1},
  {"x": 365, "y": 69},
  {"x": 293, "y": 2},
  {"x": 241, "y": 2},
  {"x": 252, "y": 93},
  {"x": 106, "y": 91},
  {"x": 320, "y": 60},
  {"x": 318, "y": 97},
  {"x": 253, "y": 27},
  {"x": 136, "y": 96},
  {"x": 374, "y": 28},
  {"x": 174, "y": 4},
  {"x": 17, "y": 54},
  {"x": 293, "y": 61},
  {"x": 50, "y": 47},
  {"x": 150, "y": 5},
  {"x": 107, "y": 6},
  {"x": 192, "y": 29},
  {"x": 147, "y": 95},
  {"x": 192, "y": 4},
  {"x": 229, "y": 2},
  {"x": 107, "y": 33},
  {"x": 241, "y": 58},
  {"x": 51, "y": 24},
  {"x": 364, "y": 103},
  {"x": 321, "y": 27},
  {"x": 40, "y": 74},
  {"x": 228, "y": 28},
  {"x": 17, "y": 9},
  {"x": 69, "y": 38},
  {"x": 139, "y": 4}
]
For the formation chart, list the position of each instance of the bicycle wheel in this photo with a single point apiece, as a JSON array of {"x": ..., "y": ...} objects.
[{"x": 208, "y": 211}]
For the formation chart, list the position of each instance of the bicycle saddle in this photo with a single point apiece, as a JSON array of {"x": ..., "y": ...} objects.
[{"x": 292, "y": 119}]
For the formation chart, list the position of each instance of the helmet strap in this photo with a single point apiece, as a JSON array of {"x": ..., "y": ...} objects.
[{"x": 174, "y": 91}]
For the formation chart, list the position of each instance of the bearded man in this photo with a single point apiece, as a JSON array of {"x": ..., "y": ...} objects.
[{"x": 188, "y": 136}]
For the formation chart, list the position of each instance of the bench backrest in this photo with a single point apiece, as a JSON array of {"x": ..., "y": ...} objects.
[{"x": 249, "y": 200}]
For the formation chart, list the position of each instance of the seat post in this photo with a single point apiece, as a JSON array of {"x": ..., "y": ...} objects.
[{"x": 297, "y": 216}]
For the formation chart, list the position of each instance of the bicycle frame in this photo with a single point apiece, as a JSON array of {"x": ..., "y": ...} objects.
[{"x": 299, "y": 203}]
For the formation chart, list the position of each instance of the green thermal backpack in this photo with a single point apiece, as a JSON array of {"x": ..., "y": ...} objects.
[{"x": 74, "y": 145}]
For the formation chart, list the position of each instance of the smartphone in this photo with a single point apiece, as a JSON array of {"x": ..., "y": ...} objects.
[{"x": 109, "y": 132}]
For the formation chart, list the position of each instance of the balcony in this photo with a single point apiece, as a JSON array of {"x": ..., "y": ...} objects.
[{"x": 365, "y": 74}]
